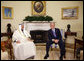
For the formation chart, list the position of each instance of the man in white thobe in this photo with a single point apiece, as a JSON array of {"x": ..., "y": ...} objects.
[{"x": 23, "y": 46}]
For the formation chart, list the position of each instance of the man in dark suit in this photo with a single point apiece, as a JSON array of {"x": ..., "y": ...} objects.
[{"x": 54, "y": 36}]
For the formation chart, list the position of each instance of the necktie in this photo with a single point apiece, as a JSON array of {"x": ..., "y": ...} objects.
[{"x": 54, "y": 34}]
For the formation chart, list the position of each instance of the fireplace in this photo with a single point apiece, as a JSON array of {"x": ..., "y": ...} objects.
[
  {"x": 39, "y": 36},
  {"x": 38, "y": 30}
]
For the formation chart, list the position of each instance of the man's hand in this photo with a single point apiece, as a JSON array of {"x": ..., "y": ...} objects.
[
  {"x": 56, "y": 41},
  {"x": 29, "y": 39},
  {"x": 17, "y": 41}
]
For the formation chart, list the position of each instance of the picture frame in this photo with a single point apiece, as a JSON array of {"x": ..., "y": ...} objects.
[
  {"x": 70, "y": 13},
  {"x": 7, "y": 12},
  {"x": 38, "y": 8}
]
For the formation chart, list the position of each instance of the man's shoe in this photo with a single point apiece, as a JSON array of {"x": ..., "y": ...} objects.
[
  {"x": 46, "y": 56},
  {"x": 61, "y": 57}
]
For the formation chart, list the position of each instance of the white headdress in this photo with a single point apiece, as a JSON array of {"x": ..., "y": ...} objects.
[{"x": 20, "y": 25}]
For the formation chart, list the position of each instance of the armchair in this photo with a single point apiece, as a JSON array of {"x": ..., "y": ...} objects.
[{"x": 6, "y": 42}]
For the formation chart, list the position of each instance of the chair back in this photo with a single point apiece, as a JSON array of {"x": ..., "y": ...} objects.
[{"x": 62, "y": 33}]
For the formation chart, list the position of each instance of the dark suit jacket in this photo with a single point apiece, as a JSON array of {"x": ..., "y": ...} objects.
[{"x": 51, "y": 36}]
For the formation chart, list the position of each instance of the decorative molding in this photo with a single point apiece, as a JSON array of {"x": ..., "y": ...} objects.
[{"x": 36, "y": 26}]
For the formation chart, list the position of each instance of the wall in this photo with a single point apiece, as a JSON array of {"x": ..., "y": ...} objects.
[{"x": 53, "y": 8}]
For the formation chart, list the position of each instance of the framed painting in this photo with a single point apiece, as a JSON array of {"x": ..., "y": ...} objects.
[
  {"x": 70, "y": 13},
  {"x": 7, "y": 12},
  {"x": 38, "y": 8}
]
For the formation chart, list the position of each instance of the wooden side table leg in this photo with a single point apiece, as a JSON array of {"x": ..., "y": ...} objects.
[
  {"x": 74, "y": 48},
  {"x": 10, "y": 51}
]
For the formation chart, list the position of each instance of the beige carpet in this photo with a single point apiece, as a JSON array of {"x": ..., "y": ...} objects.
[{"x": 54, "y": 54}]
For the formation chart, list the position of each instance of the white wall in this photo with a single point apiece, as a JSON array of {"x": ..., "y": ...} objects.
[
  {"x": 53, "y": 8},
  {"x": 20, "y": 8}
]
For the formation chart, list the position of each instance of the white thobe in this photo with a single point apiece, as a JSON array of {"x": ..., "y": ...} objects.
[{"x": 25, "y": 48}]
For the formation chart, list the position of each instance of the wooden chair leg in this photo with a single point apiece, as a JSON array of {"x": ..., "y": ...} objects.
[
  {"x": 50, "y": 48},
  {"x": 65, "y": 56}
]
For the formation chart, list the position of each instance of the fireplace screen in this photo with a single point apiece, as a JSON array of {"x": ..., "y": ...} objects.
[{"x": 39, "y": 36}]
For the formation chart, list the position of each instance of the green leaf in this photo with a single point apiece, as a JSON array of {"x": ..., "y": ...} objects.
[{"x": 38, "y": 18}]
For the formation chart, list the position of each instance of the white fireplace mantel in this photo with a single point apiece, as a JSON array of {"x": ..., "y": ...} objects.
[{"x": 36, "y": 26}]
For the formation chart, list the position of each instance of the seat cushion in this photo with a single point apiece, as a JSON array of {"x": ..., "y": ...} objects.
[{"x": 81, "y": 55}]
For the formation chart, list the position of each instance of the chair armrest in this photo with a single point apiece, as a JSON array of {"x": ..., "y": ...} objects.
[{"x": 64, "y": 39}]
